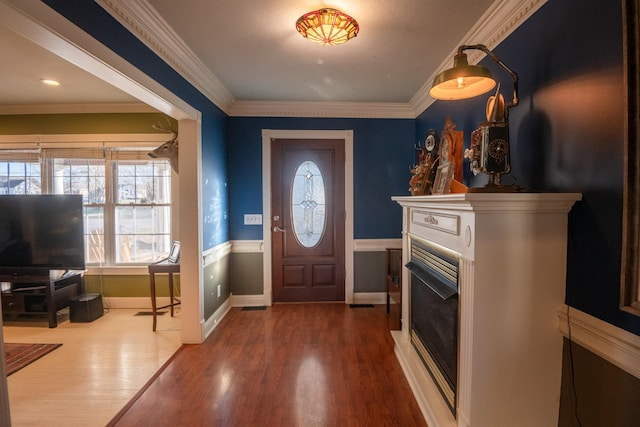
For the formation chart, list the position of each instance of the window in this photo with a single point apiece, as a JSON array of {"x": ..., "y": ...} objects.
[
  {"x": 86, "y": 177},
  {"x": 20, "y": 173},
  {"x": 308, "y": 204},
  {"x": 126, "y": 197},
  {"x": 142, "y": 210}
]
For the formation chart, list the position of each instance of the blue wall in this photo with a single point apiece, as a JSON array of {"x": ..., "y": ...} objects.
[
  {"x": 567, "y": 135},
  {"x": 382, "y": 151}
]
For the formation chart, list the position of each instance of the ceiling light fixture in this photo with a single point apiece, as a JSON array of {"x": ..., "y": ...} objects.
[
  {"x": 327, "y": 27},
  {"x": 50, "y": 82}
]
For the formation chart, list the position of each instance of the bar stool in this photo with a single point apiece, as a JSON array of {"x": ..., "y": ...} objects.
[{"x": 164, "y": 266}]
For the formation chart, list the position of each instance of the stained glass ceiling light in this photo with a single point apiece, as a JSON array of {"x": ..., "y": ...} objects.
[{"x": 327, "y": 27}]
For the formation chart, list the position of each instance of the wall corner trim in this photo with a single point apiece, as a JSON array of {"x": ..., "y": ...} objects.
[{"x": 617, "y": 346}]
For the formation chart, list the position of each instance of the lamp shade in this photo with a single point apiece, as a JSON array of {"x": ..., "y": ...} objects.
[
  {"x": 462, "y": 81},
  {"x": 327, "y": 26}
]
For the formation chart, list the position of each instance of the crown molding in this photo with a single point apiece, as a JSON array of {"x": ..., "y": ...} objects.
[
  {"x": 356, "y": 110},
  {"x": 497, "y": 23},
  {"x": 133, "y": 107},
  {"x": 142, "y": 20}
]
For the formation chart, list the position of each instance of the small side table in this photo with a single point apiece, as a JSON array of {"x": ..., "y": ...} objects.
[{"x": 170, "y": 268}]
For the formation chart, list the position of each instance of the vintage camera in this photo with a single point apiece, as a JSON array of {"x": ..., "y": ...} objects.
[{"x": 489, "y": 153}]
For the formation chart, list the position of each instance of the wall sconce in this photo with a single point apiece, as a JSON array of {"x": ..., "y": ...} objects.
[{"x": 489, "y": 152}]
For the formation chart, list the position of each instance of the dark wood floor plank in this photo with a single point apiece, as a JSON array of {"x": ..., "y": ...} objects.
[{"x": 288, "y": 365}]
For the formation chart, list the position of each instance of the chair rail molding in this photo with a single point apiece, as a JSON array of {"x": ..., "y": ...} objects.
[{"x": 613, "y": 344}]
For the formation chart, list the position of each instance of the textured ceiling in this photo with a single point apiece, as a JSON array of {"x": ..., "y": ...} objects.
[{"x": 255, "y": 51}]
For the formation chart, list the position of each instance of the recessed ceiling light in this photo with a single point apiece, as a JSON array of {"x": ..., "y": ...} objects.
[{"x": 50, "y": 82}]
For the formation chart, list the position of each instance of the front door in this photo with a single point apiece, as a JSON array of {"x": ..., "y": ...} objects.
[{"x": 308, "y": 220}]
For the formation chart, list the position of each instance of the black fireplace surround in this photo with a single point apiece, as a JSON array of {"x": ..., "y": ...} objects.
[{"x": 434, "y": 314}]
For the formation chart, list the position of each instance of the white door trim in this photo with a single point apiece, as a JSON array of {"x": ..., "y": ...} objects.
[{"x": 267, "y": 136}]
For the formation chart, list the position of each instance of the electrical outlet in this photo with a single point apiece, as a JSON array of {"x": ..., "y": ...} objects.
[{"x": 252, "y": 219}]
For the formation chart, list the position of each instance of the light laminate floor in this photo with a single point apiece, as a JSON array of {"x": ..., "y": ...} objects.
[{"x": 99, "y": 368}]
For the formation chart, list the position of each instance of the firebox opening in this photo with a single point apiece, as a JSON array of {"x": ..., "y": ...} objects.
[{"x": 434, "y": 314}]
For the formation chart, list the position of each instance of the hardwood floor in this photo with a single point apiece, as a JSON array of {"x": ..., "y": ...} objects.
[
  {"x": 98, "y": 369},
  {"x": 288, "y": 365}
]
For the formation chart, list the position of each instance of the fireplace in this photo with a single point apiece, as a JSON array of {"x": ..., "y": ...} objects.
[
  {"x": 434, "y": 314},
  {"x": 484, "y": 283}
]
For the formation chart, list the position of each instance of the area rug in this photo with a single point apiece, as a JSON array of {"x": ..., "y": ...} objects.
[{"x": 17, "y": 356}]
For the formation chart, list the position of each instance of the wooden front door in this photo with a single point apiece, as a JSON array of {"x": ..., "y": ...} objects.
[{"x": 308, "y": 220}]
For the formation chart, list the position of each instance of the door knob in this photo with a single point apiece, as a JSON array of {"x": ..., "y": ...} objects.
[{"x": 278, "y": 229}]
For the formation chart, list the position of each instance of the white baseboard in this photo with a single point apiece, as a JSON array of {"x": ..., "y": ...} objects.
[
  {"x": 247, "y": 300},
  {"x": 376, "y": 245},
  {"x": 613, "y": 344},
  {"x": 358, "y": 298},
  {"x": 132, "y": 302},
  {"x": 212, "y": 322},
  {"x": 144, "y": 303},
  {"x": 370, "y": 298},
  {"x": 432, "y": 405},
  {"x": 236, "y": 300}
]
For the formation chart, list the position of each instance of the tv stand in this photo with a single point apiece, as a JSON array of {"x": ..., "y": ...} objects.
[{"x": 38, "y": 294}]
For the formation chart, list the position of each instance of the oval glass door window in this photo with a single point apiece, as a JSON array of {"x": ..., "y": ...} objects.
[{"x": 308, "y": 204}]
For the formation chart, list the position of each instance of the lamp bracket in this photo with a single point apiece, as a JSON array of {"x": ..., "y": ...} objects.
[{"x": 498, "y": 61}]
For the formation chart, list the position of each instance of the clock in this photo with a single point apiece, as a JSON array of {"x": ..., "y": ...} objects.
[{"x": 431, "y": 141}]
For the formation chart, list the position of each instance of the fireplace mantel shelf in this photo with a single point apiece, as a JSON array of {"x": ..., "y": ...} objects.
[{"x": 512, "y": 250}]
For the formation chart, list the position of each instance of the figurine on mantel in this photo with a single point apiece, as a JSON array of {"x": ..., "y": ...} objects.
[{"x": 439, "y": 166}]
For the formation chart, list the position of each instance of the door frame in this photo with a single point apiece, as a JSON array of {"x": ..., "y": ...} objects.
[{"x": 267, "y": 136}]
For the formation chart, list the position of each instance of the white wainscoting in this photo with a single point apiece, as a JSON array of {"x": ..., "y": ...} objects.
[
  {"x": 613, "y": 344},
  {"x": 361, "y": 245}
]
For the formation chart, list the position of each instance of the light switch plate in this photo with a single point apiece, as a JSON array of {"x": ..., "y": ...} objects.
[{"x": 252, "y": 219}]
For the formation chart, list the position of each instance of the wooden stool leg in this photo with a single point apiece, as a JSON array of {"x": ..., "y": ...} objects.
[
  {"x": 152, "y": 282},
  {"x": 171, "y": 292}
]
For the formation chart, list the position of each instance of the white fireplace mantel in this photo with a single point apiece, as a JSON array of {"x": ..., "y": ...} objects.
[{"x": 513, "y": 250}]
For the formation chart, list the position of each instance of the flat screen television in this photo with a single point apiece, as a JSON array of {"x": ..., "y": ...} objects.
[{"x": 39, "y": 233}]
